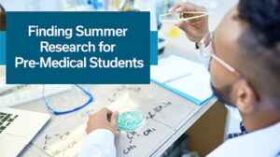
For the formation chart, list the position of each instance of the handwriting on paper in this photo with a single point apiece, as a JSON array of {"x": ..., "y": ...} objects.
[
  {"x": 134, "y": 135},
  {"x": 64, "y": 144}
]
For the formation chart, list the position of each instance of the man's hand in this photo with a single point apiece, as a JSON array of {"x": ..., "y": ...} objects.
[
  {"x": 104, "y": 119},
  {"x": 195, "y": 29}
]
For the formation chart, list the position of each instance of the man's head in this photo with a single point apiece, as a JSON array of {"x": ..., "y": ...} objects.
[{"x": 248, "y": 39}]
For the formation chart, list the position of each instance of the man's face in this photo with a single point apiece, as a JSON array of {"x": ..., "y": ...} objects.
[{"x": 225, "y": 45}]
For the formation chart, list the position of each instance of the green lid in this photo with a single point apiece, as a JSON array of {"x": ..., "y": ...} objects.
[{"x": 130, "y": 121}]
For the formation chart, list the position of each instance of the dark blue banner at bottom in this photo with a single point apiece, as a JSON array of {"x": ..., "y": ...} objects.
[{"x": 78, "y": 48}]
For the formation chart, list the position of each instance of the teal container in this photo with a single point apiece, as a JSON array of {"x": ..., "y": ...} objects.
[{"x": 130, "y": 121}]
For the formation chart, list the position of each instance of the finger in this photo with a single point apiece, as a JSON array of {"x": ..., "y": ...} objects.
[
  {"x": 113, "y": 119},
  {"x": 198, "y": 24},
  {"x": 90, "y": 118},
  {"x": 182, "y": 25},
  {"x": 113, "y": 122},
  {"x": 193, "y": 24},
  {"x": 102, "y": 115},
  {"x": 109, "y": 115},
  {"x": 87, "y": 127},
  {"x": 191, "y": 34},
  {"x": 180, "y": 9},
  {"x": 173, "y": 8},
  {"x": 187, "y": 7},
  {"x": 193, "y": 7},
  {"x": 105, "y": 112},
  {"x": 189, "y": 30}
]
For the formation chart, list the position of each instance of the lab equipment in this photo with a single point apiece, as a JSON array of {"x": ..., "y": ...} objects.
[
  {"x": 83, "y": 99},
  {"x": 96, "y": 4},
  {"x": 130, "y": 120},
  {"x": 18, "y": 128},
  {"x": 174, "y": 17},
  {"x": 13, "y": 95}
]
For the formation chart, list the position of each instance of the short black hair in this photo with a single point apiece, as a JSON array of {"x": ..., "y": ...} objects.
[
  {"x": 263, "y": 17},
  {"x": 261, "y": 43}
]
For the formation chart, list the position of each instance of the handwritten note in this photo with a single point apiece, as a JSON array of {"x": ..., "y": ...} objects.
[
  {"x": 164, "y": 113},
  {"x": 130, "y": 143},
  {"x": 65, "y": 144}
]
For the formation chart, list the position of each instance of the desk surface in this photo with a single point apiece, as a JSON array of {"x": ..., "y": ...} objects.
[{"x": 168, "y": 116}]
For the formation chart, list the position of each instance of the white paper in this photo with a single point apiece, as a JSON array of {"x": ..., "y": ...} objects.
[{"x": 183, "y": 75}]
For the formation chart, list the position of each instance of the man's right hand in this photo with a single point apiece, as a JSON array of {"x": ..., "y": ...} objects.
[
  {"x": 103, "y": 119},
  {"x": 195, "y": 29}
]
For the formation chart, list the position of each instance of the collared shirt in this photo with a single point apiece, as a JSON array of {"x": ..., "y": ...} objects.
[
  {"x": 260, "y": 143},
  {"x": 243, "y": 131}
]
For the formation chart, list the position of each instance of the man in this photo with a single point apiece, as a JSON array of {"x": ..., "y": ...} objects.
[{"x": 244, "y": 64}]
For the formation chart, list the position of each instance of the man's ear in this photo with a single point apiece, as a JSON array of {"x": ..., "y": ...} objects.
[{"x": 245, "y": 96}]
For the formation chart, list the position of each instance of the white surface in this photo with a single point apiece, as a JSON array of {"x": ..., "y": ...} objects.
[
  {"x": 161, "y": 127},
  {"x": 21, "y": 131},
  {"x": 32, "y": 5},
  {"x": 184, "y": 75},
  {"x": 18, "y": 95}
]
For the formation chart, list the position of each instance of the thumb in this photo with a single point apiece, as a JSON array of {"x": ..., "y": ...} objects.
[
  {"x": 113, "y": 120},
  {"x": 183, "y": 25},
  {"x": 105, "y": 114}
]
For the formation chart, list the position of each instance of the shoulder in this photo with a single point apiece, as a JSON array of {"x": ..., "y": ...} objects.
[{"x": 261, "y": 143}]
